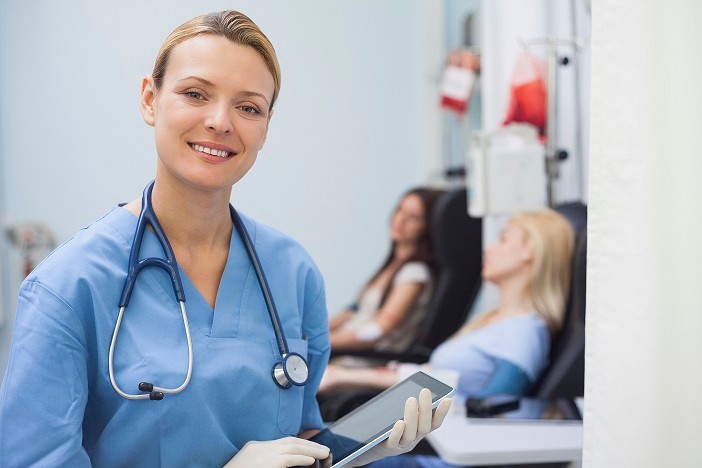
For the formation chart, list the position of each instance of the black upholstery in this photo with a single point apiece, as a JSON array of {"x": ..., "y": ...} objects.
[
  {"x": 458, "y": 242},
  {"x": 458, "y": 247},
  {"x": 565, "y": 376}
]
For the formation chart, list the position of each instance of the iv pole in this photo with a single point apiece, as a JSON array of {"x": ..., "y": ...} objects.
[{"x": 553, "y": 155}]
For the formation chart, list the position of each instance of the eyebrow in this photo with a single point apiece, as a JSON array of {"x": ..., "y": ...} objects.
[{"x": 209, "y": 83}]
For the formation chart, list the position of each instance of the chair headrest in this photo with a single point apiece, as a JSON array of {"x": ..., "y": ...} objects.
[
  {"x": 575, "y": 213},
  {"x": 455, "y": 234}
]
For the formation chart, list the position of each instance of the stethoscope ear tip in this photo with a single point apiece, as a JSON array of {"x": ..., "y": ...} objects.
[
  {"x": 145, "y": 386},
  {"x": 156, "y": 396}
]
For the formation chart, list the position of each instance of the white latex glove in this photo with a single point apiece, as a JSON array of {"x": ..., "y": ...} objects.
[
  {"x": 419, "y": 421},
  {"x": 280, "y": 453}
]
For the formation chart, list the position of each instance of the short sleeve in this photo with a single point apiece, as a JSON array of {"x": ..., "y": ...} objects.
[
  {"x": 413, "y": 272},
  {"x": 525, "y": 343},
  {"x": 45, "y": 389}
]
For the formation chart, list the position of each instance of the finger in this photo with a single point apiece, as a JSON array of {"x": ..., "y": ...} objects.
[
  {"x": 440, "y": 413},
  {"x": 297, "y": 460},
  {"x": 425, "y": 413},
  {"x": 327, "y": 462},
  {"x": 398, "y": 429},
  {"x": 317, "y": 451},
  {"x": 411, "y": 419},
  {"x": 303, "y": 442}
]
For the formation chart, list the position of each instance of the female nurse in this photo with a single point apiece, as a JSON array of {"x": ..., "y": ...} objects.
[{"x": 63, "y": 402}]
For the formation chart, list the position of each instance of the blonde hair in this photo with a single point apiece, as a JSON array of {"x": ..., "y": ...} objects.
[
  {"x": 551, "y": 240},
  {"x": 231, "y": 24}
]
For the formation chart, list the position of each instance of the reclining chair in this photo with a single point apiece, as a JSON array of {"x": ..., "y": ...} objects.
[
  {"x": 458, "y": 247},
  {"x": 565, "y": 375}
]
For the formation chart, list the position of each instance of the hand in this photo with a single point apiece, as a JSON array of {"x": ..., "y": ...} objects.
[
  {"x": 280, "y": 453},
  {"x": 419, "y": 421}
]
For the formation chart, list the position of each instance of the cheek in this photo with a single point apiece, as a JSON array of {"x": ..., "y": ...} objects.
[{"x": 418, "y": 229}]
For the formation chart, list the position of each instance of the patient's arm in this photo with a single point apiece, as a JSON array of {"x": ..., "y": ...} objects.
[
  {"x": 395, "y": 310},
  {"x": 340, "y": 319}
]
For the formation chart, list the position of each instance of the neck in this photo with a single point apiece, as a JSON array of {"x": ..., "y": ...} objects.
[
  {"x": 515, "y": 298},
  {"x": 403, "y": 251},
  {"x": 191, "y": 218}
]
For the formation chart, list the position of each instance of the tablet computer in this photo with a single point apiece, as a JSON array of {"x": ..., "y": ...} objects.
[
  {"x": 372, "y": 422},
  {"x": 516, "y": 409}
]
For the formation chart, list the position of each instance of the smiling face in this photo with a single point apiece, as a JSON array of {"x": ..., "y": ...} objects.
[
  {"x": 408, "y": 223},
  {"x": 211, "y": 112},
  {"x": 509, "y": 256}
]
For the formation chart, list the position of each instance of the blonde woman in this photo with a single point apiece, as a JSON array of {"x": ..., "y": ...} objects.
[
  {"x": 72, "y": 394},
  {"x": 505, "y": 349}
]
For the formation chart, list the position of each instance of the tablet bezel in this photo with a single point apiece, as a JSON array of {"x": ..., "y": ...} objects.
[{"x": 419, "y": 378}]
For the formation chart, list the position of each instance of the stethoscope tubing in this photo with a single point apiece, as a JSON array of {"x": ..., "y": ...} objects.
[
  {"x": 148, "y": 216},
  {"x": 170, "y": 265},
  {"x": 163, "y": 390},
  {"x": 262, "y": 282}
]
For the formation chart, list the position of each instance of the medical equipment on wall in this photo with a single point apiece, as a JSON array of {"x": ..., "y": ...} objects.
[
  {"x": 458, "y": 80},
  {"x": 291, "y": 370},
  {"x": 506, "y": 171},
  {"x": 34, "y": 241},
  {"x": 459, "y": 94}
]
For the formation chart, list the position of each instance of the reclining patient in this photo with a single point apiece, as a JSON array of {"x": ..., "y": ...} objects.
[
  {"x": 394, "y": 301},
  {"x": 506, "y": 349}
]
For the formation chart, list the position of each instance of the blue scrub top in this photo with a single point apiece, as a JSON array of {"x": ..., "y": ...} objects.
[{"x": 57, "y": 407}]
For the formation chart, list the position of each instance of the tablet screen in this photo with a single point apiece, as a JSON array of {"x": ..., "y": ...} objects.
[{"x": 376, "y": 417}]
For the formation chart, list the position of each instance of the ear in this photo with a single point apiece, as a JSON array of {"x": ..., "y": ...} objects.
[{"x": 148, "y": 93}]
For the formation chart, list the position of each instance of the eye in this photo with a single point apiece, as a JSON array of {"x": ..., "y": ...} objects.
[
  {"x": 194, "y": 95},
  {"x": 250, "y": 110}
]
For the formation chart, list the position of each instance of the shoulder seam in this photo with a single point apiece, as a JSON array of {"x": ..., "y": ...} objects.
[{"x": 47, "y": 289}]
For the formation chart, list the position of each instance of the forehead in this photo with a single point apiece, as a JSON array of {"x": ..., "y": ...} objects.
[
  {"x": 513, "y": 229},
  {"x": 412, "y": 202},
  {"x": 220, "y": 61}
]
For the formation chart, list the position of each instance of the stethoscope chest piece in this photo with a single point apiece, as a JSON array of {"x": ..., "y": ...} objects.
[{"x": 291, "y": 371}]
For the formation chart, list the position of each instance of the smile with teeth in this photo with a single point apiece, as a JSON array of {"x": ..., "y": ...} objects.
[{"x": 212, "y": 151}]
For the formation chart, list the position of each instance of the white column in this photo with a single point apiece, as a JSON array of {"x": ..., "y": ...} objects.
[{"x": 644, "y": 307}]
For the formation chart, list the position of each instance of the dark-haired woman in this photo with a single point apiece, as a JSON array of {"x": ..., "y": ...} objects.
[{"x": 394, "y": 301}]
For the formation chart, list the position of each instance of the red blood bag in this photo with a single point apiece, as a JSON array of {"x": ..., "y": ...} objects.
[
  {"x": 458, "y": 80},
  {"x": 527, "y": 103}
]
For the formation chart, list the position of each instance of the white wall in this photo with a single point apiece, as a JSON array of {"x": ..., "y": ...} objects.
[{"x": 352, "y": 130}]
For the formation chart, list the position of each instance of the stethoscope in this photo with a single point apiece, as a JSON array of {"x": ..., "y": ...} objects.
[{"x": 291, "y": 370}]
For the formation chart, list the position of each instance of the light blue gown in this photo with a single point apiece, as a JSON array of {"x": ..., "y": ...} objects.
[
  {"x": 57, "y": 407},
  {"x": 523, "y": 341}
]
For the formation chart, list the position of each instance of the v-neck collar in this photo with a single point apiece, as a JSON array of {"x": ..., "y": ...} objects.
[{"x": 223, "y": 320}]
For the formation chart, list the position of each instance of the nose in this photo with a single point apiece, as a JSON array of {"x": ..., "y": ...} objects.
[{"x": 219, "y": 119}]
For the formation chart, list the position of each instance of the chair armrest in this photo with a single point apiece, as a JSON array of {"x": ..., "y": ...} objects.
[{"x": 418, "y": 357}]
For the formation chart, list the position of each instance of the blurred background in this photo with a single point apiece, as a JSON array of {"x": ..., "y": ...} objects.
[{"x": 359, "y": 120}]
